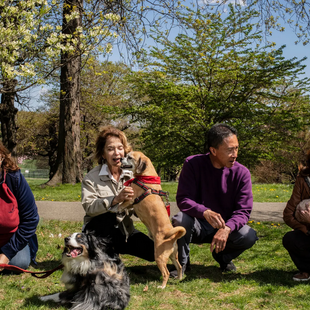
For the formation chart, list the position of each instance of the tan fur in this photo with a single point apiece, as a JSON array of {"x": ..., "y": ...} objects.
[
  {"x": 111, "y": 271},
  {"x": 152, "y": 212}
]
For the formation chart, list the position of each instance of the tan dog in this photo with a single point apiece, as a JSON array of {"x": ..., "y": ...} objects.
[{"x": 152, "y": 212}]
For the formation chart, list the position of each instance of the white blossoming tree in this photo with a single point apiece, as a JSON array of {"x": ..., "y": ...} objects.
[
  {"x": 40, "y": 36},
  {"x": 23, "y": 38},
  {"x": 31, "y": 42}
]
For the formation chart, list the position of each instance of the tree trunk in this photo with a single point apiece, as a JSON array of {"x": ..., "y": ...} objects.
[
  {"x": 8, "y": 116},
  {"x": 69, "y": 156},
  {"x": 52, "y": 153}
]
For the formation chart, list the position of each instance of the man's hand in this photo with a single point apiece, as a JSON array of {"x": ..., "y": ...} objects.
[
  {"x": 303, "y": 216},
  {"x": 218, "y": 243},
  {"x": 214, "y": 219},
  {"x": 3, "y": 260}
]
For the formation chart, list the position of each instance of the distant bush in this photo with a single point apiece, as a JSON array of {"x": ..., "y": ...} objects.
[{"x": 275, "y": 172}]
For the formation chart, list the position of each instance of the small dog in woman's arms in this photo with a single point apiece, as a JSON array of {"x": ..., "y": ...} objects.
[
  {"x": 94, "y": 276},
  {"x": 302, "y": 208}
]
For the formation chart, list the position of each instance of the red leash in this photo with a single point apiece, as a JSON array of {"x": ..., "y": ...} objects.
[{"x": 33, "y": 273}]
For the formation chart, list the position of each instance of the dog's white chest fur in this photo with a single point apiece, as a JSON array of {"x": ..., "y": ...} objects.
[{"x": 78, "y": 265}]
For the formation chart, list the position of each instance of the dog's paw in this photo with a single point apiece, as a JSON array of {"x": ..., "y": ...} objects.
[{"x": 53, "y": 297}]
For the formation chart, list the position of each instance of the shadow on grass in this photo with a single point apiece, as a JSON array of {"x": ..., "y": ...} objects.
[
  {"x": 34, "y": 301},
  {"x": 46, "y": 265},
  {"x": 143, "y": 274},
  {"x": 262, "y": 277},
  {"x": 277, "y": 277}
]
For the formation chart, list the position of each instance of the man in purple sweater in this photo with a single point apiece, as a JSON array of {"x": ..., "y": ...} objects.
[{"x": 215, "y": 201}]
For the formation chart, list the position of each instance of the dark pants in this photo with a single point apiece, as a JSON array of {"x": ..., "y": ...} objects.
[
  {"x": 298, "y": 246},
  {"x": 200, "y": 231},
  {"x": 138, "y": 244}
]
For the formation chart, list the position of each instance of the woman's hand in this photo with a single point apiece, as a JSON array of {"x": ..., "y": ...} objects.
[
  {"x": 303, "y": 216},
  {"x": 126, "y": 194},
  {"x": 3, "y": 260}
]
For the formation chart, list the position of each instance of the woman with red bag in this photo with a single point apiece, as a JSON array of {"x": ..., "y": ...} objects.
[{"x": 18, "y": 215}]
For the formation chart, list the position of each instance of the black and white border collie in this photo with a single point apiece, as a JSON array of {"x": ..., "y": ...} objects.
[{"x": 94, "y": 276}]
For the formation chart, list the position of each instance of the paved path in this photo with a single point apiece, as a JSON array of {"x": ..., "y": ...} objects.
[{"x": 73, "y": 211}]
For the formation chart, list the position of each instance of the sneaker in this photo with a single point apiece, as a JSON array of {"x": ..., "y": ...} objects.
[
  {"x": 302, "y": 276},
  {"x": 174, "y": 272},
  {"x": 230, "y": 267}
]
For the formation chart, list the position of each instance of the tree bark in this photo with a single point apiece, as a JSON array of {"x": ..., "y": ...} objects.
[
  {"x": 8, "y": 116},
  {"x": 69, "y": 156}
]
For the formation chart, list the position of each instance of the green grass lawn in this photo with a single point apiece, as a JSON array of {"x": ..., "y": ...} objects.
[
  {"x": 68, "y": 192},
  {"x": 263, "y": 279}
]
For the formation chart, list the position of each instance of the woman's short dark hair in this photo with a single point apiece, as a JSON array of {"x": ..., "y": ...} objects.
[
  {"x": 218, "y": 133},
  {"x": 104, "y": 134}
]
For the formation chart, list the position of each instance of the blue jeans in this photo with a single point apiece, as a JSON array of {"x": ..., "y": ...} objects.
[
  {"x": 22, "y": 258},
  {"x": 200, "y": 231}
]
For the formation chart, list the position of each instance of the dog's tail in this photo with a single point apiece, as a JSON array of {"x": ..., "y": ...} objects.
[{"x": 175, "y": 233}]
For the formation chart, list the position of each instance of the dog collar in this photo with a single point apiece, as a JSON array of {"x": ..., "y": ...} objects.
[{"x": 144, "y": 179}]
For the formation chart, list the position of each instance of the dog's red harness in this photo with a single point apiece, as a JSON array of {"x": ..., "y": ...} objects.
[{"x": 148, "y": 190}]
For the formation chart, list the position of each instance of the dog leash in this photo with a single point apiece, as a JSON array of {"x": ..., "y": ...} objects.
[{"x": 45, "y": 274}]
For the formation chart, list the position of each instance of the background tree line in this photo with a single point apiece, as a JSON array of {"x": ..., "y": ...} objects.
[{"x": 217, "y": 68}]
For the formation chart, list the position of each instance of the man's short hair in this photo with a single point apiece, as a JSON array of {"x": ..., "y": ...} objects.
[{"x": 218, "y": 133}]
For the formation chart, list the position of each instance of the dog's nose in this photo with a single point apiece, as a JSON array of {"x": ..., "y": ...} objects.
[{"x": 67, "y": 239}]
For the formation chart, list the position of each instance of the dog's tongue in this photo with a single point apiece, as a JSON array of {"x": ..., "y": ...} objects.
[{"x": 75, "y": 253}]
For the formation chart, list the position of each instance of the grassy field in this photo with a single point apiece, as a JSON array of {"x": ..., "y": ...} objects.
[
  {"x": 67, "y": 192},
  {"x": 263, "y": 279}
]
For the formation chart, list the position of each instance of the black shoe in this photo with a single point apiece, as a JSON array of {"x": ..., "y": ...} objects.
[
  {"x": 225, "y": 267},
  {"x": 174, "y": 272},
  {"x": 230, "y": 267}
]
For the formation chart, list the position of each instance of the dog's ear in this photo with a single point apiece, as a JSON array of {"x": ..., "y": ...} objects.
[
  {"x": 92, "y": 244},
  {"x": 141, "y": 166}
]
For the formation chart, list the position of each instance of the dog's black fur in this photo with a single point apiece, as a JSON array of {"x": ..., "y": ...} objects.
[{"x": 94, "y": 275}]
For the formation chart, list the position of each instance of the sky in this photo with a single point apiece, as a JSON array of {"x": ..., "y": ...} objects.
[{"x": 288, "y": 38}]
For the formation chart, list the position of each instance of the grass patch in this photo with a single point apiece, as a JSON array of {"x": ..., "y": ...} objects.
[
  {"x": 68, "y": 192},
  {"x": 272, "y": 192},
  {"x": 263, "y": 279}
]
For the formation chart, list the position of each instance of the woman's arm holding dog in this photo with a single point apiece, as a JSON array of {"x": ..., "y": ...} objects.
[
  {"x": 95, "y": 203},
  {"x": 289, "y": 211}
]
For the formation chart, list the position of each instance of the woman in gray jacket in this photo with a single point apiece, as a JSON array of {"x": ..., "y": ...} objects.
[{"x": 103, "y": 189}]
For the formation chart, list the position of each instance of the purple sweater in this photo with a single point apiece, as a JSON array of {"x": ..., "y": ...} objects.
[{"x": 227, "y": 191}]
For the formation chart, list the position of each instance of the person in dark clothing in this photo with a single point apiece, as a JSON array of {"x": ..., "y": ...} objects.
[
  {"x": 215, "y": 200},
  {"x": 297, "y": 241},
  {"x": 18, "y": 215}
]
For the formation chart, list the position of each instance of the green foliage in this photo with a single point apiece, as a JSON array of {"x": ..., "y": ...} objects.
[
  {"x": 215, "y": 73},
  {"x": 102, "y": 90},
  {"x": 263, "y": 278}
]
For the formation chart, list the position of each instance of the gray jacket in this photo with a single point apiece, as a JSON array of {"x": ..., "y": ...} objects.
[{"x": 98, "y": 192}]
